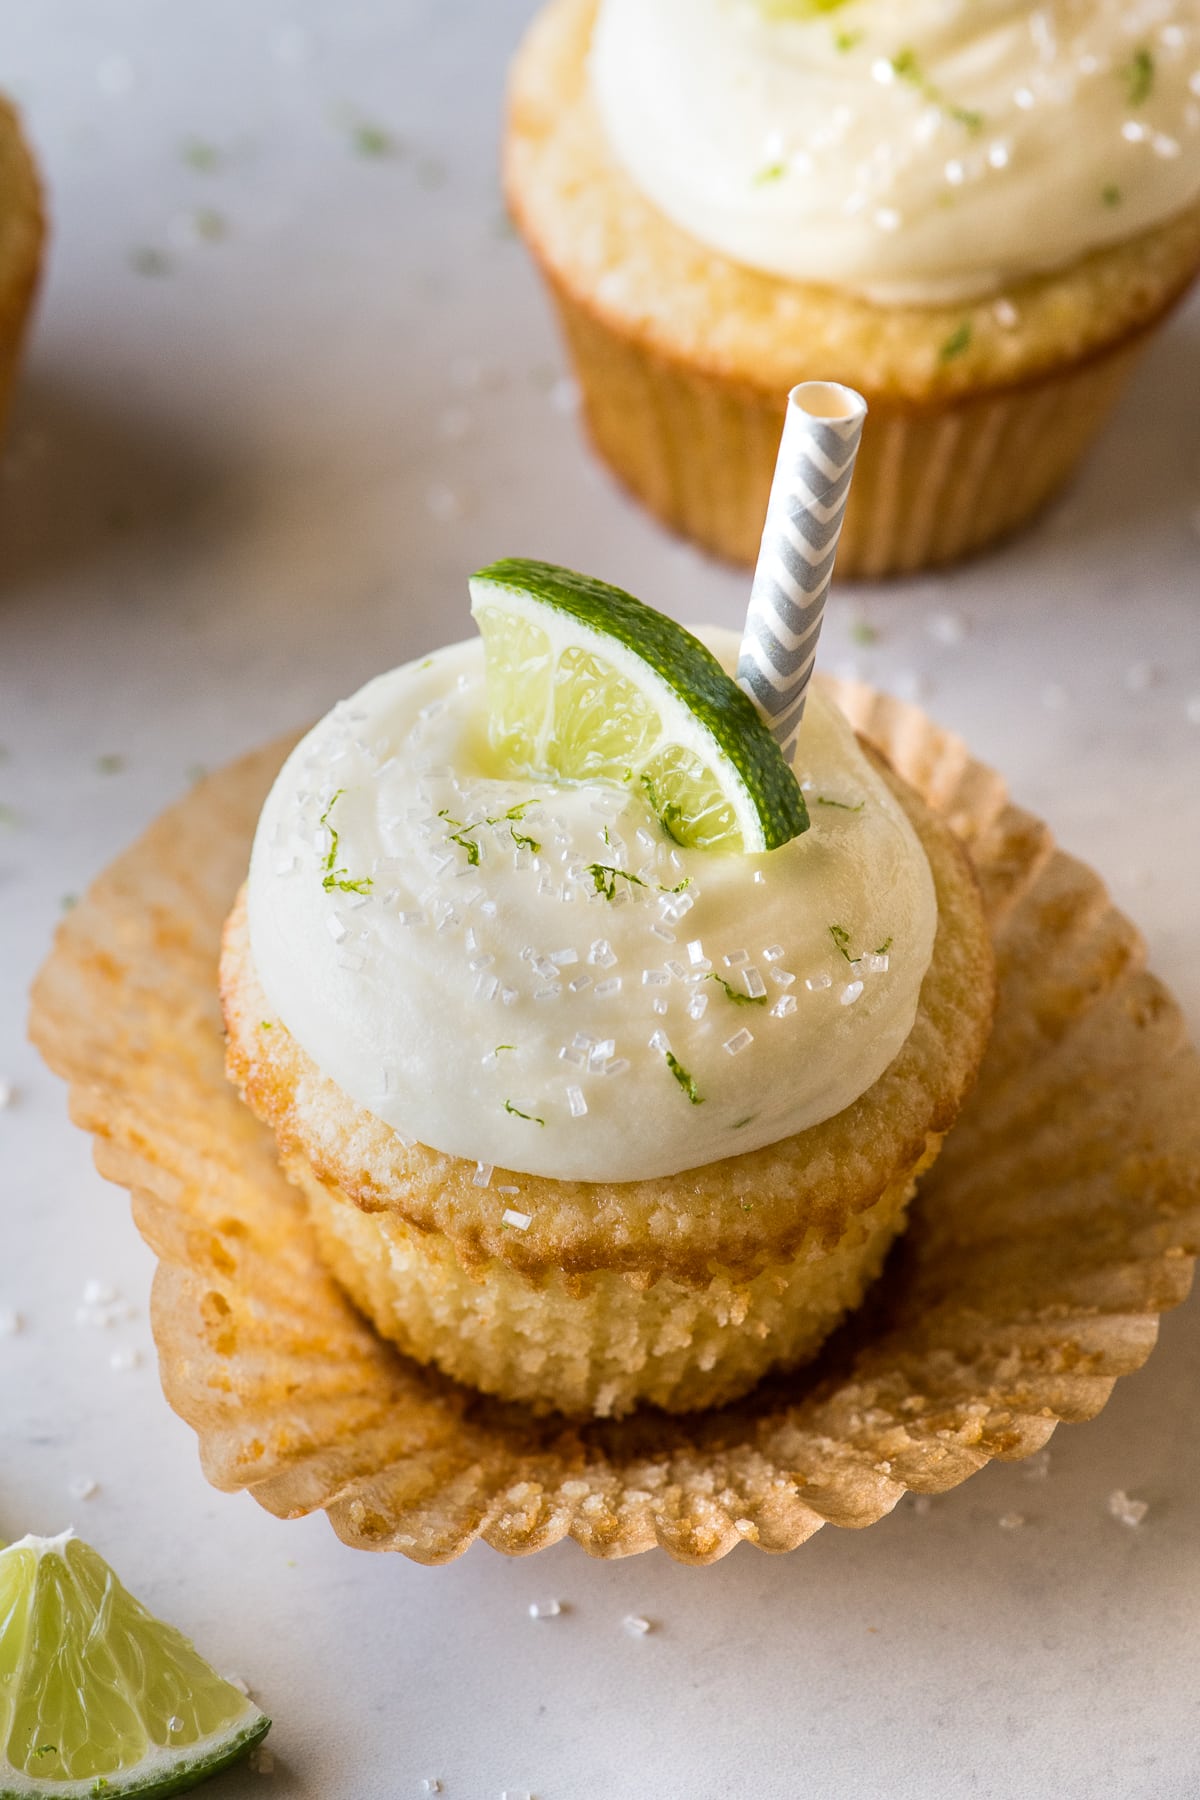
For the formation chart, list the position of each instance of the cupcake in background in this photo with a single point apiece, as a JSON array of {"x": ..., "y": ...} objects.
[
  {"x": 22, "y": 231},
  {"x": 974, "y": 211}
]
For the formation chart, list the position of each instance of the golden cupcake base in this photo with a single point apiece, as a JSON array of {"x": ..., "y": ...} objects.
[{"x": 1061, "y": 1219}]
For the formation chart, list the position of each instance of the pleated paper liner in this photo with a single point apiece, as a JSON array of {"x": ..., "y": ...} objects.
[{"x": 1062, "y": 1218}]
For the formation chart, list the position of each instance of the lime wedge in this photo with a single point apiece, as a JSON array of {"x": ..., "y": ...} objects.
[
  {"x": 97, "y": 1696},
  {"x": 585, "y": 683}
]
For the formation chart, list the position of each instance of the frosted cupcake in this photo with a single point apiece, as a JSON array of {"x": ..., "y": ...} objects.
[
  {"x": 976, "y": 214},
  {"x": 605, "y": 1049},
  {"x": 22, "y": 231}
]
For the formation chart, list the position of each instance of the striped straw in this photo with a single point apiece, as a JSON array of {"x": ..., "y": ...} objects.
[{"x": 820, "y": 440}]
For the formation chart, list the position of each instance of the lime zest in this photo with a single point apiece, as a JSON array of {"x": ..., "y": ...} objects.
[
  {"x": 684, "y": 1079},
  {"x": 841, "y": 938},
  {"x": 518, "y": 1114},
  {"x": 731, "y": 993},
  {"x": 841, "y": 805},
  {"x": 667, "y": 812},
  {"x": 333, "y": 876},
  {"x": 604, "y": 878}
]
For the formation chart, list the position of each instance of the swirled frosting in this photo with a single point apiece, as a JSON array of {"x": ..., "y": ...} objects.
[
  {"x": 536, "y": 977},
  {"x": 920, "y": 153}
]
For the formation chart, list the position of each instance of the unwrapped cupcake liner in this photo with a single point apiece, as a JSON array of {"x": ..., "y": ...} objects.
[
  {"x": 1061, "y": 1219},
  {"x": 933, "y": 483}
]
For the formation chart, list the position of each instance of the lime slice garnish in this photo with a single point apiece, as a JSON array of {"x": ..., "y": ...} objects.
[
  {"x": 97, "y": 1696},
  {"x": 585, "y": 683}
]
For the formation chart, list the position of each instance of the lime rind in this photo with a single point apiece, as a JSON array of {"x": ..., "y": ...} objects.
[
  {"x": 105, "y": 1697},
  {"x": 688, "y": 728}
]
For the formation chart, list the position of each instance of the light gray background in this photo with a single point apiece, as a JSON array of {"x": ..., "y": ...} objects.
[{"x": 233, "y": 490}]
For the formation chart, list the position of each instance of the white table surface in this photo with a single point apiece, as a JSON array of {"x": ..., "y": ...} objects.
[{"x": 234, "y": 489}]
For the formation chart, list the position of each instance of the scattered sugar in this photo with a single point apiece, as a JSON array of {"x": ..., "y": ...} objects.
[
  {"x": 602, "y": 954},
  {"x": 655, "y": 978},
  {"x": 576, "y": 1102},
  {"x": 697, "y": 1006},
  {"x": 1123, "y": 1507},
  {"x": 261, "y": 1761},
  {"x": 815, "y": 983},
  {"x": 611, "y": 986},
  {"x": 659, "y": 1041},
  {"x": 659, "y": 1006},
  {"x": 1140, "y": 676},
  {"x": 755, "y": 985},
  {"x": 545, "y": 1609},
  {"x": 1011, "y": 1521},
  {"x": 1037, "y": 1468},
  {"x": 946, "y": 628},
  {"x": 695, "y": 952},
  {"x": 431, "y": 1785},
  {"x": 785, "y": 1004},
  {"x": 128, "y": 1358},
  {"x": 850, "y": 992},
  {"x": 782, "y": 977},
  {"x": 617, "y": 1067},
  {"x": 774, "y": 953},
  {"x": 83, "y": 1488},
  {"x": 11, "y": 1323},
  {"x": 483, "y": 1174},
  {"x": 1191, "y": 709},
  {"x": 736, "y": 958},
  {"x": 637, "y": 1626},
  {"x": 741, "y": 1040}
]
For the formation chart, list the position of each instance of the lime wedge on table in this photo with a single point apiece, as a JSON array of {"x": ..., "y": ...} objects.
[
  {"x": 585, "y": 683},
  {"x": 97, "y": 1696}
]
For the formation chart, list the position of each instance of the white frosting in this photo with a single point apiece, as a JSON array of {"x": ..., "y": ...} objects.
[
  {"x": 948, "y": 148},
  {"x": 403, "y": 992}
]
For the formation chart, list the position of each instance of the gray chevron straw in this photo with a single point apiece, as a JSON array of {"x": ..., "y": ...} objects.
[{"x": 821, "y": 433}]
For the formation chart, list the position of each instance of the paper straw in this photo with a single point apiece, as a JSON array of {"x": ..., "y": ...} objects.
[{"x": 820, "y": 441}]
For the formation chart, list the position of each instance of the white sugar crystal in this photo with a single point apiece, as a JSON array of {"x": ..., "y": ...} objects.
[
  {"x": 1139, "y": 676},
  {"x": 1191, "y": 709},
  {"x": 562, "y": 957},
  {"x": 11, "y": 1323},
  {"x": 785, "y": 1004},
  {"x": 658, "y": 1040},
  {"x": 697, "y": 1006},
  {"x": 507, "y": 1190},
  {"x": 661, "y": 931},
  {"x": 1011, "y": 1521},
  {"x": 99, "y": 1293},
  {"x": 412, "y": 918},
  {"x": 484, "y": 960},
  {"x": 644, "y": 838},
  {"x": 287, "y": 865},
  {"x": 850, "y": 992},
  {"x": 353, "y": 960},
  {"x": 755, "y": 986},
  {"x": 335, "y": 928},
  {"x": 576, "y": 1102},
  {"x": 508, "y": 995},
  {"x": 617, "y": 1067},
  {"x": 676, "y": 968},
  {"x": 1005, "y": 314},
  {"x": 814, "y": 983},
  {"x": 550, "y": 992},
  {"x": 544, "y": 1609},
  {"x": 1037, "y": 1467},
  {"x": 773, "y": 953},
  {"x": 782, "y": 977},
  {"x": 655, "y": 978},
  {"x": 741, "y": 1040},
  {"x": 637, "y": 1626},
  {"x": 736, "y": 958},
  {"x": 611, "y": 986},
  {"x": 128, "y": 1358},
  {"x": 83, "y": 1488},
  {"x": 1123, "y": 1507},
  {"x": 695, "y": 951},
  {"x": 946, "y": 628},
  {"x": 659, "y": 1006},
  {"x": 569, "y": 1054},
  {"x": 431, "y": 1785},
  {"x": 601, "y": 954},
  {"x": 579, "y": 983},
  {"x": 518, "y": 1220},
  {"x": 482, "y": 1175}
]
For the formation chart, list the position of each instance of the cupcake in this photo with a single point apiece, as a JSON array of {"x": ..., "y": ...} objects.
[
  {"x": 976, "y": 215},
  {"x": 22, "y": 230},
  {"x": 604, "y": 1048}
]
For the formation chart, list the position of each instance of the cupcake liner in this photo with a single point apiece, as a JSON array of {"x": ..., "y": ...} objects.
[
  {"x": 1061, "y": 1219},
  {"x": 933, "y": 483}
]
